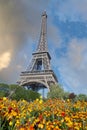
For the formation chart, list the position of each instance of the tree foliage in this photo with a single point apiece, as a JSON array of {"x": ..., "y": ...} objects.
[
  {"x": 56, "y": 91},
  {"x": 72, "y": 96},
  {"x": 82, "y": 97},
  {"x": 16, "y": 92},
  {"x": 22, "y": 93},
  {"x": 4, "y": 90}
]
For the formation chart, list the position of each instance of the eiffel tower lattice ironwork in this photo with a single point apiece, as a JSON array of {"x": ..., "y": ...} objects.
[{"x": 39, "y": 73}]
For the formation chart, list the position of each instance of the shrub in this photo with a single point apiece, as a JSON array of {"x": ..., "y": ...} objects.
[
  {"x": 56, "y": 91},
  {"x": 72, "y": 95},
  {"x": 22, "y": 93},
  {"x": 4, "y": 90},
  {"x": 2, "y": 94},
  {"x": 82, "y": 97}
]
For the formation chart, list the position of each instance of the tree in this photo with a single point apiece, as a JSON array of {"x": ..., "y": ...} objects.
[
  {"x": 66, "y": 95},
  {"x": 4, "y": 90},
  {"x": 56, "y": 91},
  {"x": 72, "y": 96},
  {"x": 19, "y": 92},
  {"x": 82, "y": 97}
]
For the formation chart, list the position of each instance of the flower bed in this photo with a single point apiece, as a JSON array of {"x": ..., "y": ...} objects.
[{"x": 39, "y": 115}]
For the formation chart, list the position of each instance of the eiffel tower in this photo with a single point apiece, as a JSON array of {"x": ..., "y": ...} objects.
[{"x": 39, "y": 73}]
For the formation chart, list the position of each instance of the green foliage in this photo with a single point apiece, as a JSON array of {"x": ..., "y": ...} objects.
[
  {"x": 72, "y": 96},
  {"x": 56, "y": 91},
  {"x": 66, "y": 95},
  {"x": 4, "y": 90},
  {"x": 13, "y": 86},
  {"x": 82, "y": 97},
  {"x": 6, "y": 86},
  {"x": 2, "y": 94},
  {"x": 32, "y": 95},
  {"x": 4, "y": 125},
  {"x": 22, "y": 93},
  {"x": 16, "y": 92}
]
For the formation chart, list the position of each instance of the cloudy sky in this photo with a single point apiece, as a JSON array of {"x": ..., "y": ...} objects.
[{"x": 20, "y": 22}]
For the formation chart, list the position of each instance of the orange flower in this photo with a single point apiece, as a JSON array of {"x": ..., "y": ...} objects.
[
  {"x": 31, "y": 128},
  {"x": 63, "y": 114},
  {"x": 40, "y": 117},
  {"x": 10, "y": 109},
  {"x": 22, "y": 128},
  {"x": 16, "y": 110}
]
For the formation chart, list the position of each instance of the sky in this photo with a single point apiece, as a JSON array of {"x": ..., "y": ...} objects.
[{"x": 20, "y": 25}]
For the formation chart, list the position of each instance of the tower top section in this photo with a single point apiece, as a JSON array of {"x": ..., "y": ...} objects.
[
  {"x": 44, "y": 14},
  {"x": 42, "y": 45}
]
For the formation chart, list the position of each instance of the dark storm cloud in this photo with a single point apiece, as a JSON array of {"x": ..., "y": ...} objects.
[
  {"x": 19, "y": 25},
  {"x": 19, "y": 20}
]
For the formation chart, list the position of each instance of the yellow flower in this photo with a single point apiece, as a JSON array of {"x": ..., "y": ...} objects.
[
  {"x": 67, "y": 119},
  {"x": 68, "y": 100},
  {"x": 14, "y": 113},
  {"x": 17, "y": 122},
  {"x": 44, "y": 121},
  {"x": 41, "y": 126},
  {"x": 22, "y": 128},
  {"x": 37, "y": 99},
  {"x": 41, "y": 101},
  {"x": 40, "y": 97},
  {"x": 62, "y": 120},
  {"x": 70, "y": 124},
  {"x": 4, "y": 98},
  {"x": 57, "y": 127},
  {"x": 76, "y": 128},
  {"x": 10, "y": 123}
]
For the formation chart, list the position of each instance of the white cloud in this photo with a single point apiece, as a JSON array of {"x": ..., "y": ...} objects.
[
  {"x": 73, "y": 66},
  {"x": 19, "y": 67},
  {"x": 73, "y": 10},
  {"x": 77, "y": 51},
  {"x": 5, "y": 59}
]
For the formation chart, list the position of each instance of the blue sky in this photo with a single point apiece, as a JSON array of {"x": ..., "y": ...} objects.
[{"x": 20, "y": 24}]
